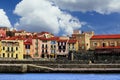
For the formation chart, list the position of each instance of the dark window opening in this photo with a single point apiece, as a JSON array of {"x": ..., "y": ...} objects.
[
  {"x": 11, "y": 55},
  {"x": 46, "y": 51},
  {"x": 42, "y": 50},
  {"x": 16, "y": 55},
  {"x": 46, "y": 45},
  {"x": 8, "y": 48},
  {"x": 104, "y": 44},
  {"x": 3, "y": 48},
  {"x": 27, "y": 46},
  {"x": 3, "y": 54},
  {"x": 8, "y": 55},
  {"x": 42, "y": 45},
  {"x": 16, "y": 48},
  {"x": 11, "y": 48}
]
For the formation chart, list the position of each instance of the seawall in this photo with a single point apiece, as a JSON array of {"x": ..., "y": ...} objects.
[{"x": 69, "y": 68}]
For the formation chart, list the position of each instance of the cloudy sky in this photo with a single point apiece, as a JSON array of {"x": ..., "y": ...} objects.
[{"x": 61, "y": 17}]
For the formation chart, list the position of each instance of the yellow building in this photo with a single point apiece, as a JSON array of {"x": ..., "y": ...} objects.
[
  {"x": 73, "y": 45},
  {"x": 12, "y": 48},
  {"x": 83, "y": 39}
]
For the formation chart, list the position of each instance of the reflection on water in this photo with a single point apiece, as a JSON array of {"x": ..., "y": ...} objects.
[{"x": 55, "y": 76}]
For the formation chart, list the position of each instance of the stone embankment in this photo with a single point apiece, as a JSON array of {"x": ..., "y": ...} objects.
[{"x": 51, "y": 66}]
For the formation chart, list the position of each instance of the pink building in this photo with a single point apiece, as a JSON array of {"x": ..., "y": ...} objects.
[{"x": 3, "y": 32}]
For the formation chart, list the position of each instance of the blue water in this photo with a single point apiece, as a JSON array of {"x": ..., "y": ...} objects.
[{"x": 59, "y": 76}]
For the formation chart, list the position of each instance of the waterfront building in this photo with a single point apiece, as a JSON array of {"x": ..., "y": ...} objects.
[
  {"x": 36, "y": 50},
  {"x": 22, "y": 33},
  {"x": 3, "y": 31},
  {"x": 83, "y": 39},
  {"x": 72, "y": 45},
  {"x": 44, "y": 45},
  {"x": 62, "y": 46},
  {"x": 105, "y": 41},
  {"x": 12, "y": 48},
  {"x": 28, "y": 47},
  {"x": 45, "y": 34},
  {"x": 54, "y": 47}
]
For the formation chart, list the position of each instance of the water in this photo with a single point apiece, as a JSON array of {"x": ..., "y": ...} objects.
[{"x": 56, "y": 76}]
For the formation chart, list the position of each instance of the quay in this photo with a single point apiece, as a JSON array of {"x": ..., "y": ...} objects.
[{"x": 52, "y": 67}]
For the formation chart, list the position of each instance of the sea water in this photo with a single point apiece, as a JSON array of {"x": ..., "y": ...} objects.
[{"x": 59, "y": 76}]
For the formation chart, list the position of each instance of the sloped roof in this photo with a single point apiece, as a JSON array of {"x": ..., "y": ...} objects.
[
  {"x": 114, "y": 36},
  {"x": 72, "y": 41}
]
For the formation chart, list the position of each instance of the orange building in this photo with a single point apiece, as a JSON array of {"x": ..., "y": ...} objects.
[{"x": 105, "y": 41}]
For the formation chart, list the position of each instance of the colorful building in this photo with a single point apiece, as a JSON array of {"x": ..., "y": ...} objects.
[
  {"x": 83, "y": 39},
  {"x": 3, "y": 31},
  {"x": 28, "y": 47},
  {"x": 12, "y": 48},
  {"x": 62, "y": 46},
  {"x": 72, "y": 45},
  {"x": 105, "y": 41}
]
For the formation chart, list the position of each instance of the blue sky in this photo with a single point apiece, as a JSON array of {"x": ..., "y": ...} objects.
[{"x": 62, "y": 16}]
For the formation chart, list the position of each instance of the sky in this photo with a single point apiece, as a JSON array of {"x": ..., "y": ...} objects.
[{"x": 61, "y": 17}]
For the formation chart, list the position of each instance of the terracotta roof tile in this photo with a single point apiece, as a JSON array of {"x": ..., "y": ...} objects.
[
  {"x": 114, "y": 36},
  {"x": 72, "y": 41}
]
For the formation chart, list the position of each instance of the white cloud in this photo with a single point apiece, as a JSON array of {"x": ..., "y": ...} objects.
[
  {"x": 43, "y": 15},
  {"x": 100, "y": 6},
  {"x": 4, "y": 21}
]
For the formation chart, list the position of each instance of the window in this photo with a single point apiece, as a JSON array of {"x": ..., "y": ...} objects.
[
  {"x": 8, "y": 48},
  {"x": 12, "y": 55},
  {"x": 27, "y": 46},
  {"x": 16, "y": 48},
  {"x": 104, "y": 44},
  {"x": 16, "y": 55},
  {"x": 42, "y": 50},
  {"x": 46, "y": 45},
  {"x": 3, "y": 48},
  {"x": 3, "y": 54},
  {"x": 8, "y": 55},
  {"x": 11, "y": 48},
  {"x": 95, "y": 44},
  {"x": 42, "y": 45},
  {"x": 54, "y": 46},
  {"x": 46, "y": 51}
]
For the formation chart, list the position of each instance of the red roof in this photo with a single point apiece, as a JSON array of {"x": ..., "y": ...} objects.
[
  {"x": 109, "y": 47},
  {"x": 114, "y": 36},
  {"x": 72, "y": 41},
  {"x": 54, "y": 38},
  {"x": 14, "y": 38},
  {"x": 28, "y": 41},
  {"x": 62, "y": 40}
]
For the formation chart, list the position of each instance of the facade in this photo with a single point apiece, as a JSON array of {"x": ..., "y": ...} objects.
[
  {"x": 62, "y": 47},
  {"x": 83, "y": 39},
  {"x": 28, "y": 47},
  {"x": 12, "y": 48},
  {"x": 21, "y": 33},
  {"x": 72, "y": 45},
  {"x": 3, "y": 31},
  {"x": 105, "y": 41},
  {"x": 54, "y": 47}
]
